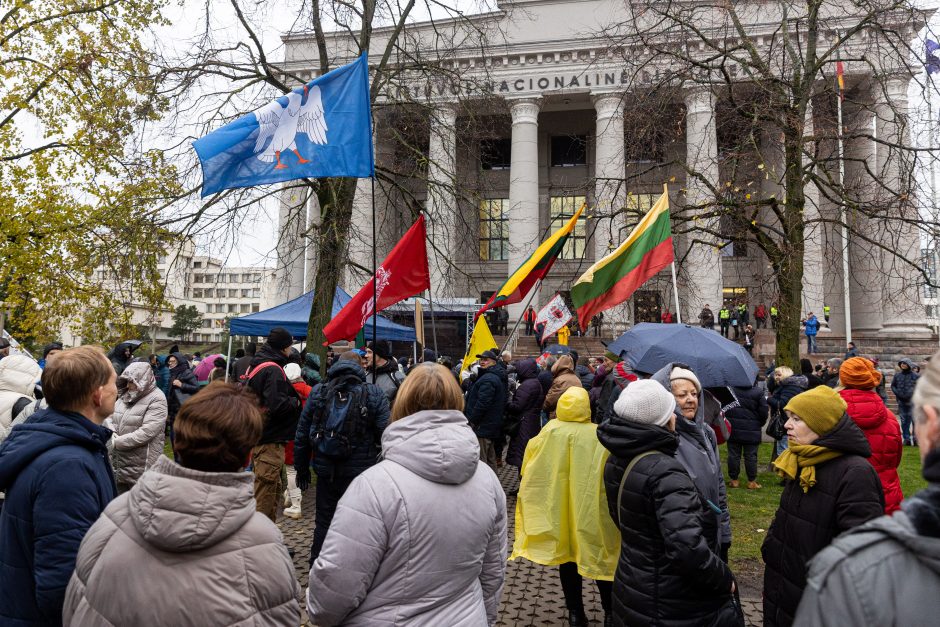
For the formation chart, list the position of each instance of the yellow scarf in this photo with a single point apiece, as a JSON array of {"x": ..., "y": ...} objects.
[{"x": 802, "y": 459}]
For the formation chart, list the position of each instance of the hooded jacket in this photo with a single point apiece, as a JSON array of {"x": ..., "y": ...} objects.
[
  {"x": 397, "y": 554},
  {"x": 748, "y": 415},
  {"x": 116, "y": 357},
  {"x": 526, "y": 405},
  {"x": 388, "y": 378},
  {"x": 904, "y": 382},
  {"x": 885, "y": 572},
  {"x": 58, "y": 480},
  {"x": 311, "y": 369},
  {"x": 562, "y": 379},
  {"x": 785, "y": 390},
  {"x": 349, "y": 377},
  {"x": 188, "y": 387},
  {"x": 486, "y": 402},
  {"x": 278, "y": 400},
  {"x": 138, "y": 422},
  {"x": 566, "y": 519},
  {"x": 698, "y": 454},
  {"x": 193, "y": 539},
  {"x": 669, "y": 572},
  {"x": 883, "y": 433},
  {"x": 611, "y": 388},
  {"x": 18, "y": 377},
  {"x": 847, "y": 494}
]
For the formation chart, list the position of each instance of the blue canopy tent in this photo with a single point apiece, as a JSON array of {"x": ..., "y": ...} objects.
[{"x": 294, "y": 314}]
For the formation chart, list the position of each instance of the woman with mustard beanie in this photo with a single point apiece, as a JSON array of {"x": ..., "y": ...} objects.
[
  {"x": 829, "y": 488},
  {"x": 881, "y": 428}
]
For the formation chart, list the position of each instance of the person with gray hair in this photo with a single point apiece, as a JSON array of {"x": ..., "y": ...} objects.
[
  {"x": 831, "y": 376},
  {"x": 887, "y": 571}
]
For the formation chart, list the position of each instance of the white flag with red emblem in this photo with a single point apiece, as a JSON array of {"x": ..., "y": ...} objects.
[{"x": 555, "y": 315}]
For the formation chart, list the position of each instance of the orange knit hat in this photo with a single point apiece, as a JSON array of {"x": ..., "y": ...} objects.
[{"x": 859, "y": 373}]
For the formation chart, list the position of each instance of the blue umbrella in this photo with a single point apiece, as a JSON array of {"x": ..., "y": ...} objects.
[
  {"x": 557, "y": 349},
  {"x": 716, "y": 361}
]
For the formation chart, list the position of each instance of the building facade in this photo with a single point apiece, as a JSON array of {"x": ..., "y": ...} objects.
[{"x": 508, "y": 139}]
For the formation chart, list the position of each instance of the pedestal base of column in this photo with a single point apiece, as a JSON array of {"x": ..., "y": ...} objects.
[{"x": 906, "y": 329}]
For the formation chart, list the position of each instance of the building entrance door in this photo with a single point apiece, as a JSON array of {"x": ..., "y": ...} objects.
[{"x": 647, "y": 306}]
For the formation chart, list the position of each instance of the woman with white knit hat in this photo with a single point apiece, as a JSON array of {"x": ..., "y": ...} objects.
[{"x": 669, "y": 570}]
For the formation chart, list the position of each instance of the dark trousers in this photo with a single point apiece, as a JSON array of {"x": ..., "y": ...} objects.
[
  {"x": 329, "y": 492},
  {"x": 725, "y": 324},
  {"x": 760, "y": 322},
  {"x": 734, "y": 460},
  {"x": 571, "y": 586},
  {"x": 773, "y": 322},
  {"x": 737, "y": 330},
  {"x": 529, "y": 327}
]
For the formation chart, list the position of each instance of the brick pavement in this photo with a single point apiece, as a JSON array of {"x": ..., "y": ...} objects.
[{"x": 532, "y": 594}]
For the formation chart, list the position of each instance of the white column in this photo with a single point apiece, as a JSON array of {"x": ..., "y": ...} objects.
[
  {"x": 702, "y": 267},
  {"x": 814, "y": 292},
  {"x": 609, "y": 191},
  {"x": 292, "y": 222},
  {"x": 359, "y": 269},
  {"x": 311, "y": 242},
  {"x": 523, "y": 212},
  {"x": 904, "y": 311},
  {"x": 442, "y": 198}
]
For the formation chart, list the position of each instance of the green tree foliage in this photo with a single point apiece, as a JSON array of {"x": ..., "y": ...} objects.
[
  {"x": 77, "y": 191},
  {"x": 186, "y": 319}
]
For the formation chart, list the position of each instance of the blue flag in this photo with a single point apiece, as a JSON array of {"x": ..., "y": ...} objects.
[
  {"x": 321, "y": 129},
  {"x": 932, "y": 63}
]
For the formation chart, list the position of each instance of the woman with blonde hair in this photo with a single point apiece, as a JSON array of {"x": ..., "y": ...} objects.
[
  {"x": 563, "y": 377},
  {"x": 398, "y": 547}
]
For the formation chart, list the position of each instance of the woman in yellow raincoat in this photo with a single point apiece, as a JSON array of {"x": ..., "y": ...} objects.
[
  {"x": 562, "y": 516},
  {"x": 563, "y": 334}
]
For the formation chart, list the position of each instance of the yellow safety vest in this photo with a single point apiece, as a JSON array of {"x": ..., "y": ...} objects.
[
  {"x": 724, "y": 314},
  {"x": 773, "y": 311}
]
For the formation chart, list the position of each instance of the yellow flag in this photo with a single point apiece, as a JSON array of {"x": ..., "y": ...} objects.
[
  {"x": 419, "y": 322},
  {"x": 480, "y": 341}
]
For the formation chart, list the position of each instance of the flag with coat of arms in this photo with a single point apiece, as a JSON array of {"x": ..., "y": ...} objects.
[{"x": 555, "y": 315}]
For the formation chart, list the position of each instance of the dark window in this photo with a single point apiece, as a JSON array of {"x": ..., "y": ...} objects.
[
  {"x": 495, "y": 154},
  {"x": 569, "y": 150},
  {"x": 494, "y": 230}
]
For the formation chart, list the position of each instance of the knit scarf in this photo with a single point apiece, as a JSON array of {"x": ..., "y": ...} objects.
[{"x": 802, "y": 459}]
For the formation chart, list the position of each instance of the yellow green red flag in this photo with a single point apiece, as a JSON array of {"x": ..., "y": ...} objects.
[
  {"x": 538, "y": 264},
  {"x": 613, "y": 279}
]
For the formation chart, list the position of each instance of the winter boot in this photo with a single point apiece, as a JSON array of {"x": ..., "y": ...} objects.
[
  {"x": 294, "y": 495},
  {"x": 577, "y": 618}
]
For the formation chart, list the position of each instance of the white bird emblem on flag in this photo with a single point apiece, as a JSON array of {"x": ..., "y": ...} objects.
[{"x": 303, "y": 114}]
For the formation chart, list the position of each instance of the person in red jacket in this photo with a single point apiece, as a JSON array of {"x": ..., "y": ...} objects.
[
  {"x": 860, "y": 378},
  {"x": 293, "y": 495}
]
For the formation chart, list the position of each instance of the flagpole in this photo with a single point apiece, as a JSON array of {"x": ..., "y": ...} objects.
[
  {"x": 433, "y": 323},
  {"x": 532, "y": 292},
  {"x": 675, "y": 293},
  {"x": 375, "y": 287},
  {"x": 846, "y": 294}
]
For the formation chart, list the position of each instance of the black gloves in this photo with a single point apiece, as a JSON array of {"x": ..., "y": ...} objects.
[
  {"x": 303, "y": 478},
  {"x": 722, "y": 551}
]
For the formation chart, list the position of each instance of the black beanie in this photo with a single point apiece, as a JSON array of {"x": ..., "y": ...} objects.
[
  {"x": 280, "y": 338},
  {"x": 52, "y": 346},
  {"x": 381, "y": 348}
]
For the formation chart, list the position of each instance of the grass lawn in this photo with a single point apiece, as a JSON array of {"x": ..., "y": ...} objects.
[{"x": 753, "y": 510}]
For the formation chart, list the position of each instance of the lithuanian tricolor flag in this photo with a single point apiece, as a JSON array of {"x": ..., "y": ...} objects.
[
  {"x": 613, "y": 279},
  {"x": 534, "y": 268}
]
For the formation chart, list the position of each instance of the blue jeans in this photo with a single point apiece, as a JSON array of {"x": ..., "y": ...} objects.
[
  {"x": 781, "y": 445},
  {"x": 906, "y": 409},
  {"x": 810, "y": 344}
]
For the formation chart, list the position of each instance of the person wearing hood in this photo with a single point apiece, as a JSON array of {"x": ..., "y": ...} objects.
[
  {"x": 829, "y": 488},
  {"x": 18, "y": 376},
  {"x": 881, "y": 429},
  {"x": 887, "y": 571},
  {"x": 57, "y": 478},
  {"x": 525, "y": 407},
  {"x": 669, "y": 570},
  {"x": 340, "y": 429},
  {"x": 161, "y": 373},
  {"x": 403, "y": 555},
  {"x": 563, "y": 377},
  {"x": 120, "y": 356},
  {"x": 698, "y": 451},
  {"x": 48, "y": 350},
  {"x": 786, "y": 386},
  {"x": 188, "y": 534},
  {"x": 311, "y": 370},
  {"x": 806, "y": 369},
  {"x": 564, "y": 521},
  {"x": 486, "y": 403},
  {"x": 584, "y": 372},
  {"x": 387, "y": 374},
  {"x": 618, "y": 377},
  {"x": 902, "y": 385},
  {"x": 138, "y": 422},
  {"x": 281, "y": 406},
  {"x": 241, "y": 365},
  {"x": 183, "y": 384}
]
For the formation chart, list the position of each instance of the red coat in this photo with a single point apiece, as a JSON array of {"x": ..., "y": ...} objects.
[{"x": 883, "y": 432}]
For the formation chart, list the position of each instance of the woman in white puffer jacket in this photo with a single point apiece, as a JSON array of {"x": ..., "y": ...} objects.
[
  {"x": 138, "y": 422},
  {"x": 18, "y": 377},
  {"x": 419, "y": 538}
]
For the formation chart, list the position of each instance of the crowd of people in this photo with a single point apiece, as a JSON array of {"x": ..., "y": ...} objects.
[{"x": 620, "y": 482}]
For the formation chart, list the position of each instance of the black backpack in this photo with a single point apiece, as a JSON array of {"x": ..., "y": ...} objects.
[{"x": 341, "y": 422}]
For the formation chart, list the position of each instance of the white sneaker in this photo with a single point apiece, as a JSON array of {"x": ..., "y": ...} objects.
[
  {"x": 286, "y": 498},
  {"x": 293, "y": 512}
]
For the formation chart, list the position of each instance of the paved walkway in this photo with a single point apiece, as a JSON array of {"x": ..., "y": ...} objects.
[{"x": 532, "y": 594}]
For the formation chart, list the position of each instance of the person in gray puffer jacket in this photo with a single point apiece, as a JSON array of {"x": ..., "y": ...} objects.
[
  {"x": 138, "y": 422},
  {"x": 18, "y": 377},
  {"x": 185, "y": 546},
  {"x": 698, "y": 453},
  {"x": 398, "y": 554}
]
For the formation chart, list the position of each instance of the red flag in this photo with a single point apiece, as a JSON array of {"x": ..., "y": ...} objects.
[{"x": 402, "y": 274}]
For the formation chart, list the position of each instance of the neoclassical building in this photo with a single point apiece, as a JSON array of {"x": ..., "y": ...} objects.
[{"x": 500, "y": 125}]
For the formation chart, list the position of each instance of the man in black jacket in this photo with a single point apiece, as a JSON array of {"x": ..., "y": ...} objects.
[
  {"x": 281, "y": 407},
  {"x": 486, "y": 403},
  {"x": 240, "y": 367}
]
